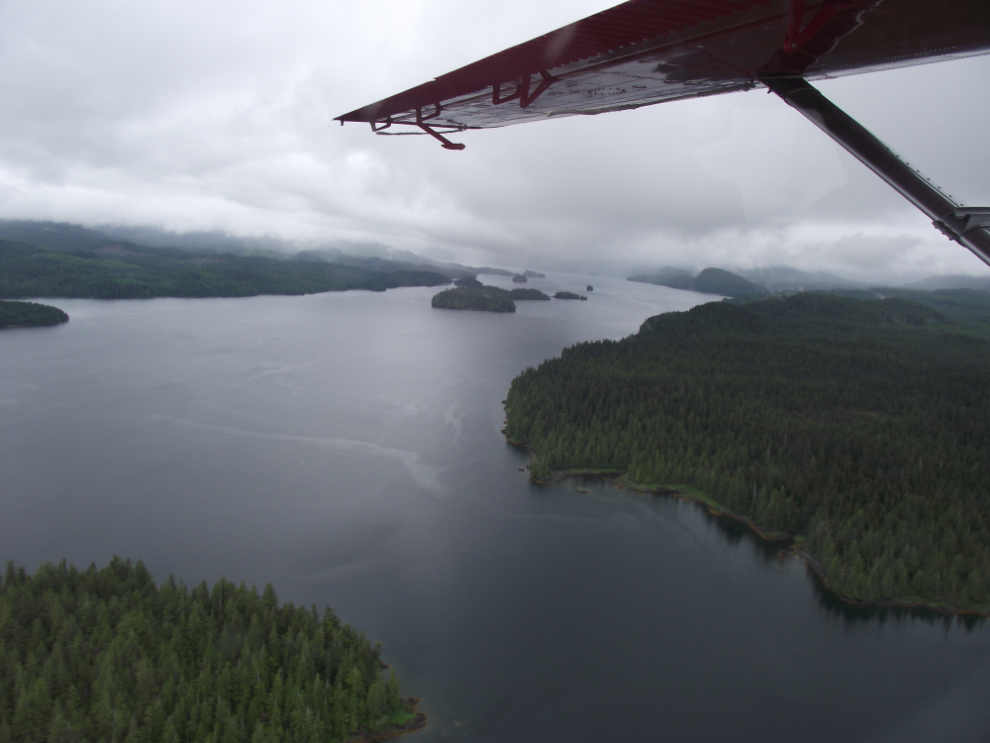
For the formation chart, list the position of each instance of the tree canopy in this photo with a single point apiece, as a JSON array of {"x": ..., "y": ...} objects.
[
  {"x": 860, "y": 426},
  {"x": 108, "y": 655},
  {"x": 21, "y": 314},
  {"x": 128, "y": 271},
  {"x": 486, "y": 298}
]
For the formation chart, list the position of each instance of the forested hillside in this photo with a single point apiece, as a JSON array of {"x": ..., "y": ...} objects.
[
  {"x": 862, "y": 427},
  {"x": 708, "y": 281},
  {"x": 109, "y": 655},
  {"x": 128, "y": 271}
]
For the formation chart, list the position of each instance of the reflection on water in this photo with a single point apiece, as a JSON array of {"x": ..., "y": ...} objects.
[{"x": 346, "y": 447}]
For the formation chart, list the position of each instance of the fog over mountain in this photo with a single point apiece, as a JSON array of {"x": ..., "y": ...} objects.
[
  {"x": 782, "y": 278},
  {"x": 214, "y": 121}
]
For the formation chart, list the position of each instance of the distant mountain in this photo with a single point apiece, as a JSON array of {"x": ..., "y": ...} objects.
[
  {"x": 785, "y": 279},
  {"x": 198, "y": 242},
  {"x": 678, "y": 281},
  {"x": 484, "y": 270},
  {"x": 967, "y": 308},
  {"x": 123, "y": 240},
  {"x": 399, "y": 262},
  {"x": 979, "y": 283},
  {"x": 360, "y": 251},
  {"x": 129, "y": 271},
  {"x": 380, "y": 264},
  {"x": 73, "y": 238},
  {"x": 663, "y": 272},
  {"x": 55, "y": 259},
  {"x": 709, "y": 281},
  {"x": 60, "y": 236},
  {"x": 726, "y": 283}
]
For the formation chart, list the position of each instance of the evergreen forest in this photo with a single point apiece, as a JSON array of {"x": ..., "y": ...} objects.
[
  {"x": 108, "y": 655},
  {"x": 708, "y": 281},
  {"x": 130, "y": 271},
  {"x": 22, "y": 314},
  {"x": 861, "y": 427},
  {"x": 483, "y": 297},
  {"x": 523, "y": 295}
]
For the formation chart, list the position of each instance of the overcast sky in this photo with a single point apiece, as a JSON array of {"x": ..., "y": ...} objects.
[{"x": 217, "y": 115}]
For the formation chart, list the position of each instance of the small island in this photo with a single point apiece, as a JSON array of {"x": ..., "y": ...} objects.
[
  {"x": 568, "y": 295},
  {"x": 29, "y": 314},
  {"x": 483, "y": 298},
  {"x": 533, "y": 274},
  {"x": 590, "y": 288},
  {"x": 519, "y": 279},
  {"x": 468, "y": 281}
]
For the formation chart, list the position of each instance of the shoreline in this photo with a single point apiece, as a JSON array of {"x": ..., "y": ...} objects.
[
  {"x": 792, "y": 543},
  {"x": 420, "y": 718}
]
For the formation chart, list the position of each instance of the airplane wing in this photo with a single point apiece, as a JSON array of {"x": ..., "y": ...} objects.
[{"x": 644, "y": 52}]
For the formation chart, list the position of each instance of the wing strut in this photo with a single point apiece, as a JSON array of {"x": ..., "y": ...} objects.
[{"x": 966, "y": 225}]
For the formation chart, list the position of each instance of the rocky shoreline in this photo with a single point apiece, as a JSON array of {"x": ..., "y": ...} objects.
[{"x": 418, "y": 722}]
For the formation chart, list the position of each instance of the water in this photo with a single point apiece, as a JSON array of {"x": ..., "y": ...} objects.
[{"x": 346, "y": 447}]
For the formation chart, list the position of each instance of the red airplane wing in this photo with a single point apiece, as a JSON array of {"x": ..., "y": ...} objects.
[{"x": 644, "y": 52}]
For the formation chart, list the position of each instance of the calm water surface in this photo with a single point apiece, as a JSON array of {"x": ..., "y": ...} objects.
[{"x": 346, "y": 447}]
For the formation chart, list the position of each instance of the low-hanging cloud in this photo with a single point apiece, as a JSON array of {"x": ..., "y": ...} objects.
[{"x": 219, "y": 116}]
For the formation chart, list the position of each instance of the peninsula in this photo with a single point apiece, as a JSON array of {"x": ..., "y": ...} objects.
[
  {"x": 857, "y": 427},
  {"x": 29, "y": 314}
]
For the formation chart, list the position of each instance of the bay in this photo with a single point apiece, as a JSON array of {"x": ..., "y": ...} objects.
[{"x": 346, "y": 447}]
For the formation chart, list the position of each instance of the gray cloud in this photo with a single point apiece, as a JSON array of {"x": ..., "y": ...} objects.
[{"x": 219, "y": 116}]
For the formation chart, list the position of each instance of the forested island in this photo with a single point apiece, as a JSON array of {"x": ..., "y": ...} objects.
[
  {"x": 858, "y": 429},
  {"x": 28, "y": 314},
  {"x": 106, "y": 654},
  {"x": 484, "y": 297},
  {"x": 568, "y": 295}
]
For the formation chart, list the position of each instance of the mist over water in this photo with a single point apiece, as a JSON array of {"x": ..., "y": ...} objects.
[{"x": 346, "y": 448}]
